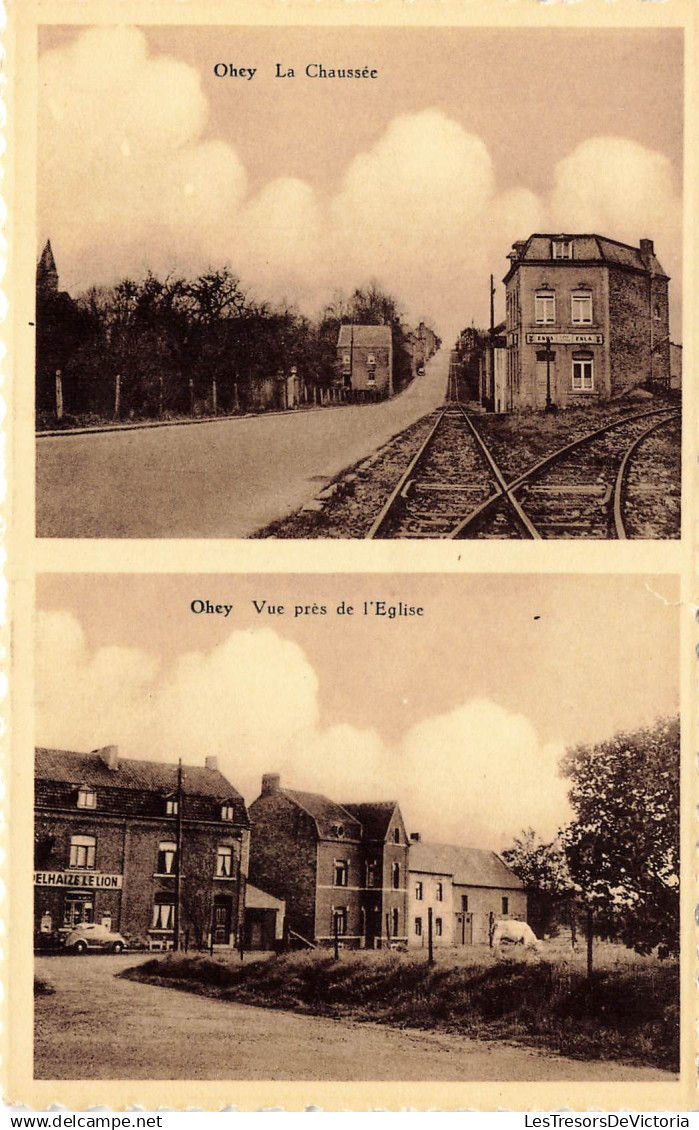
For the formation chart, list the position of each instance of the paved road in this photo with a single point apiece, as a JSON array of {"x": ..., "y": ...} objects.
[
  {"x": 96, "y": 1026},
  {"x": 227, "y": 478}
]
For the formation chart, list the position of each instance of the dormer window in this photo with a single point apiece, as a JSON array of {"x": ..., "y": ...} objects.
[
  {"x": 227, "y": 812},
  {"x": 562, "y": 249},
  {"x": 171, "y": 806},
  {"x": 87, "y": 797}
]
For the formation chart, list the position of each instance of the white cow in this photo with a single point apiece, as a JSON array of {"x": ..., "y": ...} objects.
[{"x": 519, "y": 933}]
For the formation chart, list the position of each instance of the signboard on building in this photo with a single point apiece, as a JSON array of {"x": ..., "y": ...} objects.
[
  {"x": 565, "y": 339},
  {"x": 85, "y": 880}
]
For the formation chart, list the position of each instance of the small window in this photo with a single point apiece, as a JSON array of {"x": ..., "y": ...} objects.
[
  {"x": 396, "y": 835},
  {"x": 545, "y": 307},
  {"x": 371, "y": 360},
  {"x": 346, "y": 360},
  {"x": 227, "y": 813},
  {"x": 581, "y": 308},
  {"x": 395, "y": 876},
  {"x": 339, "y": 920},
  {"x": 171, "y": 806},
  {"x": 418, "y": 927},
  {"x": 372, "y": 874},
  {"x": 418, "y": 892},
  {"x": 562, "y": 249},
  {"x": 341, "y": 873},
  {"x": 167, "y": 857},
  {"x": 163, "y": 913},
  {"x": 438, "y": 927},
  {"x": 656, "y": 312},
  {"x": 82, "y": 851},
  {"x": 583, "y": 374},
  {"x": 440, "y": 892},
  {"x": 224, "y": 862},
  {"x": 464, "y": 904},
  {"x": 338, "y": 830},
  {"x": 87, "y": 797},
  {"x": 505, "y": 905},
  {"x": 395, "y": 922}
]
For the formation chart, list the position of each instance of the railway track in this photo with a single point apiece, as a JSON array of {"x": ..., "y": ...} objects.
[{"x": 454, "y": 488}]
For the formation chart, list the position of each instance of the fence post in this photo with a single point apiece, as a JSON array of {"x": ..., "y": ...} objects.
[
  {"x": 589, "y": 941},
  {"x": 430, "y": 947},
  {"x": 214, "y": 397},
  {"x": 59, "y": 395}
]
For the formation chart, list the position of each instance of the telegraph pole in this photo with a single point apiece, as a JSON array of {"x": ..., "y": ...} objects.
[
  {"x": 178, "y": 859},
  {"x": 491, "y": 383}
]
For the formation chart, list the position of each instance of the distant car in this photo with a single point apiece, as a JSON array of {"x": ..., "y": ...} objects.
[
  {"x": 93, "y": 936},
  {"x": 421, "y": 370}
]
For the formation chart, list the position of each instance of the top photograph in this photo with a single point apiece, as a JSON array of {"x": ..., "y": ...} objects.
[{"x": 359, "y": 283}]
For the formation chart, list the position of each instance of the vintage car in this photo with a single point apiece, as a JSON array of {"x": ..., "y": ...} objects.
[{"x": 93, "y": 936}]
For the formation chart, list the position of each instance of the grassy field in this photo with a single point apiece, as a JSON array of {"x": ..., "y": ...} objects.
[{"x": 628, "y": 1012}]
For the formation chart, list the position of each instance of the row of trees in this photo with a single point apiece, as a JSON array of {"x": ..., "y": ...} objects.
[
  {"x": 615, "y": 867},
  {"x": 155, "y": 347}
]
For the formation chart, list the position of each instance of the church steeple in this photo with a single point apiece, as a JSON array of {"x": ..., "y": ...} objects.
[{"x": 46, "y": 273}]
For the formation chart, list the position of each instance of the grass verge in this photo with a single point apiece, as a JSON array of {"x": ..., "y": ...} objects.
[{"x": 629, "y": 1014}]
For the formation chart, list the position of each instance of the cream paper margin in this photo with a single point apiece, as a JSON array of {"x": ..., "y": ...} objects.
[{"x": 30, "y": 557}]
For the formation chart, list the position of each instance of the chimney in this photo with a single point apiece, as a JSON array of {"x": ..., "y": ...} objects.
[
  {"x": 415, "y": 837},
  {"x": 211, "y": 762},
  {"x": 646, "y": 246},
  {"x": 109, "y": 755},
  {"x": 270, "y": 783}
]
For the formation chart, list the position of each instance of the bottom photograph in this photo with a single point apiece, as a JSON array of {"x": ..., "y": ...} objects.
[{"x": 357, "y": 827}]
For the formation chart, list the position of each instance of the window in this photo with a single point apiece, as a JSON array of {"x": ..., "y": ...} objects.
[
  {"x": 346, "y": 360},
  {"x": 583, "y": 375},
  {"x": 395, "y": 876},
  {"x": 395, "y": 922},
  {"x": 372, "y": 872},
  {"x": 171, "y": 806},
  {"x": 341, "y": 873},
  {"x": 338, "y": 830},
  {"x": 656, "y": 312},
  {"x": 464, "y": 904},
  {"x": 545, "y": 307},
  {"x": 87, "y": 797},
  {"x": 371, "y": 360},
  {"x": 82, "y": 851},
  {"x": 581, "y": 308},
  {"x": 163, "y": 913},
  {"x": 418, "y": 927},
  {"x": 77, "y": 909},
  {"x": 418, "y": 892},
  {"x": 339, "y": 920},
  {"x": 224, "y": 862},
  {"x": 167, "y": 856},
  {"x": 438, "y": 927},
  {"x": 440, "y": 892},
  {"x": 396, "y": 835},
  {"x": 227, "y": 812},
  {"x": 505, "y": 905},
  {"x": 562, "y": 249}
]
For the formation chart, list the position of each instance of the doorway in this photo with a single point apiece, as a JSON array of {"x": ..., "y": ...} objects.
[{"x": 222, "y": 920}]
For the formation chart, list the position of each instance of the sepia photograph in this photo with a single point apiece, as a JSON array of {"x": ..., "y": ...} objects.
[
  {"x": 359, "y": 282},
  {"x": 451, "y": 854}
]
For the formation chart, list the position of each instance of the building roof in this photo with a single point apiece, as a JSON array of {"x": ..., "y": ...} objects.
[
  {"x": 586, "y": 248},
  {"x": 326, "y": 814},
  {"x": 260, "y": 900},
  {"x": 151, "y": 776},
  {"x": 469, "y": 867},
  {"x": 375, "y": 817},
  {"x": 368, "y": 336}
]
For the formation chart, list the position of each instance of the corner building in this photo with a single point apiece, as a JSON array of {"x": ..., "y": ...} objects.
[
  {"x": 105, "y": 847},
  {"x": 587, "y": 319}
]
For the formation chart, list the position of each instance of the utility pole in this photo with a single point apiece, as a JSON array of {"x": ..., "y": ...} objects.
[
  {"x": 548, "y": 374},
  {"x": 117, "y": 396},
  {"x": 491, "y": 383},
  {"x": 59, "y": 395},
  {"x": 178, "y": 860}
]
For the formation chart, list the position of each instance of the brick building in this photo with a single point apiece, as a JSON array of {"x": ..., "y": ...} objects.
[
  {"x": 106, "y": 838},
  {"x": 466, "y": 889},
  {"x": 337, "y": 867},
  {"x": 365, "y": 360},
  {"x": 587, "y": 320}
]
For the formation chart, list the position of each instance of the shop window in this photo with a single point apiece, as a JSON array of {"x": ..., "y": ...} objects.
[
  {"x": 224, "y": 862},
  {"x": 167, "y": 857},
  {"x": 581, "y": 308},
  {"x": 78, "y": 909},
  {"x": 418, "y": 892},
  {"x": 341, "y": 873},
  {"x": 82, "y": 851},
  {"x": 163, "y": 913},
  {"x": 583, "y": 373},
  {"x": 545, "y": 308},
  {"x": 87, "y": 797}
]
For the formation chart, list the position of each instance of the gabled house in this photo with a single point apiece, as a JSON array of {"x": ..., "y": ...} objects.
[
  {"x": 365, "y": 360},
  {"x": 467, "y": 889},
  {"x": 340, "y": 869}
]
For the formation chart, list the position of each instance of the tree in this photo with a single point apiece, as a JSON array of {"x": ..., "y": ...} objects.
[
  {"x": 543, "y": 869},
  {"x": 623, "y": 847}
]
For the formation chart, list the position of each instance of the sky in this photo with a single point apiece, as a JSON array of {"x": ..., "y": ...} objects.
[
  {"x": 420, "y": 179},
  {"x": 462, "y": 714}
]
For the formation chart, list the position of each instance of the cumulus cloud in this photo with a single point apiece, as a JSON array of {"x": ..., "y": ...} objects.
[
  {"x": 476, "y": 775},
  {"x": 128, "y": 179}
]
